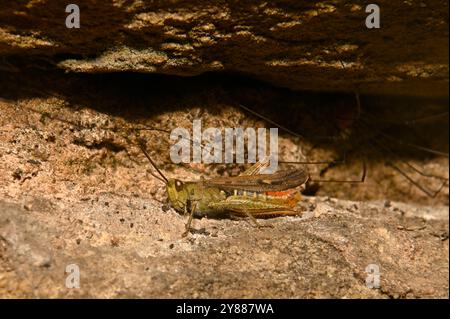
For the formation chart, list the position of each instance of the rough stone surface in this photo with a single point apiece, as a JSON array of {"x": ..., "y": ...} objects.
[
  {"x": 323, "y": 254},
  {"x": 293, "y": 44},
  {"x": 76, "y": 189}
]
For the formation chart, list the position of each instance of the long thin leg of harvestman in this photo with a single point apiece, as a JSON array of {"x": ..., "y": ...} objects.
[
  {"x": 425, "y": 149},
  {"x": 411, "y": 145},
  {"x": 419, "y": 147},
  {"x": 343, "y": 160},
  {"x": 290, "y": 132},
  {"x": 271, "y": 122},
  {"x": 361, "y": 180},
  {"x": 407, "y": 122},
  {"x": 423, "y": 173},
  {"x": 415, "y": 169},
  {"x": 383, "y": 146},
  {"x": 331, "y": 164},
  {"x": 431, "y": 193}
]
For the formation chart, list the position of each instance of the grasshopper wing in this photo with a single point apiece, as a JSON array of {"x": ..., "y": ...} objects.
[
  {"x": 279, "y": 181},
  {"x": 256, "y": 168}
]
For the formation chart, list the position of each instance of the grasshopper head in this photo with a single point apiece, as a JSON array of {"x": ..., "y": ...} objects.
[{"x": 178, "y": 194}]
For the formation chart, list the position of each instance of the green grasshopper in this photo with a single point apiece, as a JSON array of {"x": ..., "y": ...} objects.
[{"x": 249, "y": 194}]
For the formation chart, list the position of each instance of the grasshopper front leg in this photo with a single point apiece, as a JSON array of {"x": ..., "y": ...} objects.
[{"x": 191, "y": 216}]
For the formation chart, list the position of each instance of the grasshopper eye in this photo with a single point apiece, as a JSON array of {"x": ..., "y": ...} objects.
[{"x": 178, "y": 186}]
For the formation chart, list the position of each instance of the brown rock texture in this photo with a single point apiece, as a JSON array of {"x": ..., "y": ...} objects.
[
  {"x": 294, "y": 44},
  {"x": 323, "y": 254},
  {"x": 75, "y": 189}
]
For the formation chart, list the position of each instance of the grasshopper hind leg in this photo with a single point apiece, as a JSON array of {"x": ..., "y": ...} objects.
[{"x": 250, "y": 216}]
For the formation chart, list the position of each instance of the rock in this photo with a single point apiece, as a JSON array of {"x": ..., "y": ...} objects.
[
  {"x": 290, "y": 44},
  {"x": 323, "y": 256},
  {"x": 27, "y": 248},
  {"x": 77, "y": 196}
]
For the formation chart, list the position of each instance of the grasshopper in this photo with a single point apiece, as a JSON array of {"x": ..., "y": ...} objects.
[{"x": 249, "y": 194}]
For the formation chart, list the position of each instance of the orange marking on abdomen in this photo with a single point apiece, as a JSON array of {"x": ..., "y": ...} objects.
[
  {"x": 278, "y": 194},
  {"x": 289, "y": 197}
]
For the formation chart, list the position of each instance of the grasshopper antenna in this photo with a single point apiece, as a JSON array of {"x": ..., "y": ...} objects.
[{"x": 164, "y": 179}]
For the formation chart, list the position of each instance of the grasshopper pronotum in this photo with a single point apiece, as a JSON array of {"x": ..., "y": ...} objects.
[{"x": 250, "y": 194}]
